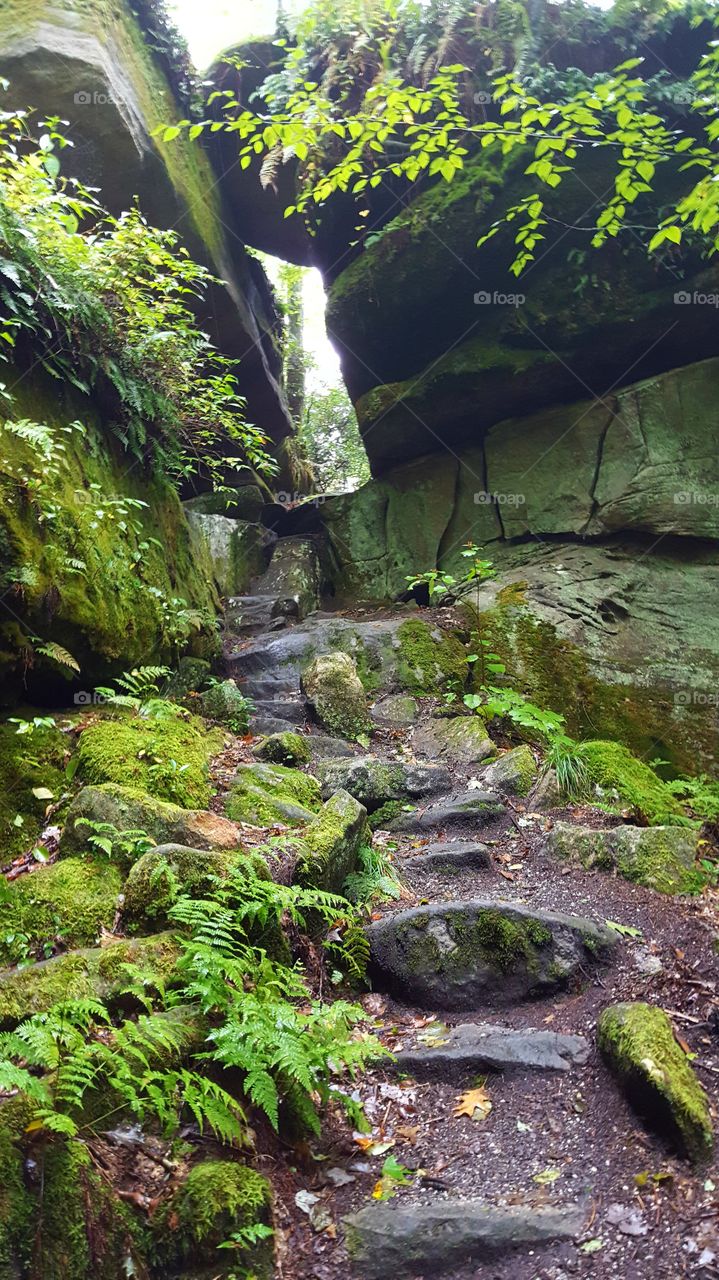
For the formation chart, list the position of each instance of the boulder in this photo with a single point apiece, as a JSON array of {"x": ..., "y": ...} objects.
[
  {"x": 473, "y": 1047},
  {"x": 397, "y": 710},
  {"x": 469, "y": 810},
  {"x": 429, "y": 1238},
  {"x": 336, "y": 694},
  {"x": 237, "y": 550},
  {"x": 373, "y": 782},
  {"x": 65, "y": 905},
  {"x": 292, "y": 579},
  {"x": 215, "y": 1200},
  {"x": 169, "y": 759},
  {"x": 243, "y": 502},
  {"x": 156, "y": 879},
  {"x": 224, "y": 704},
  {"x": 513, "y": 773},
  {"x": 284, "y": 748},
  {"x": 639, "y": 1045},
  {"x": 130, "y": 810},
  {"x": 265, "y": 795},
  {"x": 455, "y": 955},
  {"x": 331, "y": 844},
  {"x": 457, "y": 739},
  {"x": 97, "y": 973},
  {"x": 662, "y": 858}
]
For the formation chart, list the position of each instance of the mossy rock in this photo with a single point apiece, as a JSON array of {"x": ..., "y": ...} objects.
[
  {"x": 97, "y": 973},
  {"x": 218, "y": 1198},
  {"x": 159, "y": 875},
  {"x": 375, "y": 782},
  {"x": 27, "y": 761},
  {"x": 284, "y": 748},
  {"x": 382, "y": 817},
  {"x": 457, "y": 739},
  {"x": 66, "y": 904},
  {"x": 430, "y": 659},
  {"x": 17, "y": 1209},
  {"x": 128, "y": 808},
  {"x": 627, "y": 782},
  {"x": 224, "y": 704},
  {"x": 331, "y": 844},
  {"x": 661, "y": 858},
  {"x": 513, "y": 773},
  {"x": 169, "y": 759},
  {"x": 456, "y": 955},
  {"x": 337, "y": 695},
  {"x": 265, "y": 795},
  {"x": 639, "y": 1044}
]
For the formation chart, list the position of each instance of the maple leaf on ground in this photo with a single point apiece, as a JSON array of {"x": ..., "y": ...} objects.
[{"x": 476, "y": 1104}]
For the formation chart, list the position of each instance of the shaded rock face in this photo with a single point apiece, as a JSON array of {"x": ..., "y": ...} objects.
[
  {"x": 662, "y": 858},
  {"x": 95, "y": 70},
  {"x": 455, "y": 955}
]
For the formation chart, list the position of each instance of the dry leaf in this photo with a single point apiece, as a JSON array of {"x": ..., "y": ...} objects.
[
  {"x": 409, "y": 1132},
  {"x": 476, "y": 1104}
]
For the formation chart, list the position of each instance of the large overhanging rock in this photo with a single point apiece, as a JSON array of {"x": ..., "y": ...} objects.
[{"x": 94, "y": 68}]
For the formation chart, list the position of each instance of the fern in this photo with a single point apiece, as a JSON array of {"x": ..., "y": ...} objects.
[{"x": 376, "y": 880}]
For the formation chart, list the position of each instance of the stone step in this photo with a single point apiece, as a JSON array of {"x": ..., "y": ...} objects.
[
  {"x": 373, "y": 781},
  {"x": 293, "y": 711},
  {"x": 460, "y": 955},
  {"x": 449, "y": 855},
  {"x": 469, "y": 809},
  {"x": 474, "y": 1047},
  {"x": 429, "y": 1238}
]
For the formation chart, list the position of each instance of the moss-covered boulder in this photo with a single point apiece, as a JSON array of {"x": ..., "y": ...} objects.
[
  {"x": 224, "y": 704},
  {"x": 337, "y": 696},
  {"x": 28, "y": 763},
  {"x": 398, "y": 710},
  {"x": 331, "y": 844},
  {"x": 430, "y": 659},
  {"x": 129, "y": 809},
  {"x": 638, "y": 1042},
  {"x": 513, "y": 773},
  {"x": 621, "y": 780},
  {"x": 168, "y": 758},
  {"x": 374, "y": 782},
  {"x": 267, "y": 794},
  {"x": 99, "y": 973},
  {"x": 456, "y": 955},
  {"x": 662, "y": 858},
  {"x": 217, "y": 1199},
  {"x": 284, "y": 748},
  {"x": 61, "y": 906},
  {"x": 457, "y": 739},
  {"x": 160, "y": 875}
]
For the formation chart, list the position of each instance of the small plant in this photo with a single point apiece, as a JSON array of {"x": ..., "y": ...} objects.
[
  {"x": 394, "y": 1175},
  {"x": 376, "y": 880},
  {"x": 104, "y": 837}
]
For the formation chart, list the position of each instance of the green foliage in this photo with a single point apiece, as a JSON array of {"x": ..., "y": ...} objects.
[
  {"x": 700, "y": 795},
  {"x": 104, "y": 837},
  {"x": 376, "y": 879},
  {"x": 264, "y": 1020},
  {"x": 107, "y": 300}
]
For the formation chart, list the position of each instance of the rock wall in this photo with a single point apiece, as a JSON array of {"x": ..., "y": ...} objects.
[{"x": 89, "y": 62}]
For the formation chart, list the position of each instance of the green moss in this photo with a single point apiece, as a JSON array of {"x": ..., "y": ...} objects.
[
  {"x": 219, "y": 1197},
  {"x": 155, "y": 879},
  {"x": 334, "y": 687},
  {"x": 492, "y": 936},
  {"x": 331, "y": 844},
  {"x": 267, "y": 794},
  {"x": 169, "y": 759},
  {"x": 27, "y": 761},
  {"x": 284, "y": 748},
  {"x": 16, "y": 1209},
  {"x": 639, "y": 1043},
  {"x": 386, "y": 812},
  {"x": 225, "y": 704},
  {"x": 65, "y": 904},
  {"x": 430, "y": 659},
  {"x": 612, "y": 767}
]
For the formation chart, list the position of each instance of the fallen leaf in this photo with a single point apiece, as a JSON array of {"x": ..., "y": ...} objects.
[
  {"x": 476, "y": 1104},
  {"x": 306, "y": 1201},
  {"x": 42, "y": 793},
  {"x": 523, "y": 1128},
  {"x": 592, "y": 1246},
  {"x": 409, "y": 1132},
  {"x": 626, "y": 1220},
  {"x": 339, "y": 1177},
  {"x": 547, "y": 1176}
]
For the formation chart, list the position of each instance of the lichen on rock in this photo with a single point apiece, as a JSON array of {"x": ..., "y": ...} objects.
[{"x": 336, "y": 693}]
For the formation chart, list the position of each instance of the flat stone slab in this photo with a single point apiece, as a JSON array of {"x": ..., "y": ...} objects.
[
  {"x": 457, "y": 955},
  {"x": 450, "y": 855},
  {"x": 473, "y": 1047},
  {"x": 373, "y": 782},
  {"x": 469, "y": 809},
  {"x": 385, "y": 1240}
]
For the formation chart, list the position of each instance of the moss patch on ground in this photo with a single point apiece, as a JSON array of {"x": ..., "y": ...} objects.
[
  {"x": 64, "y": 905},
  {"x": 27, "y": 761},
  {"x": 169, "y": 759},
  {"x": 638, "y": 1042},
  {"x": 159, "y": 875}
]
